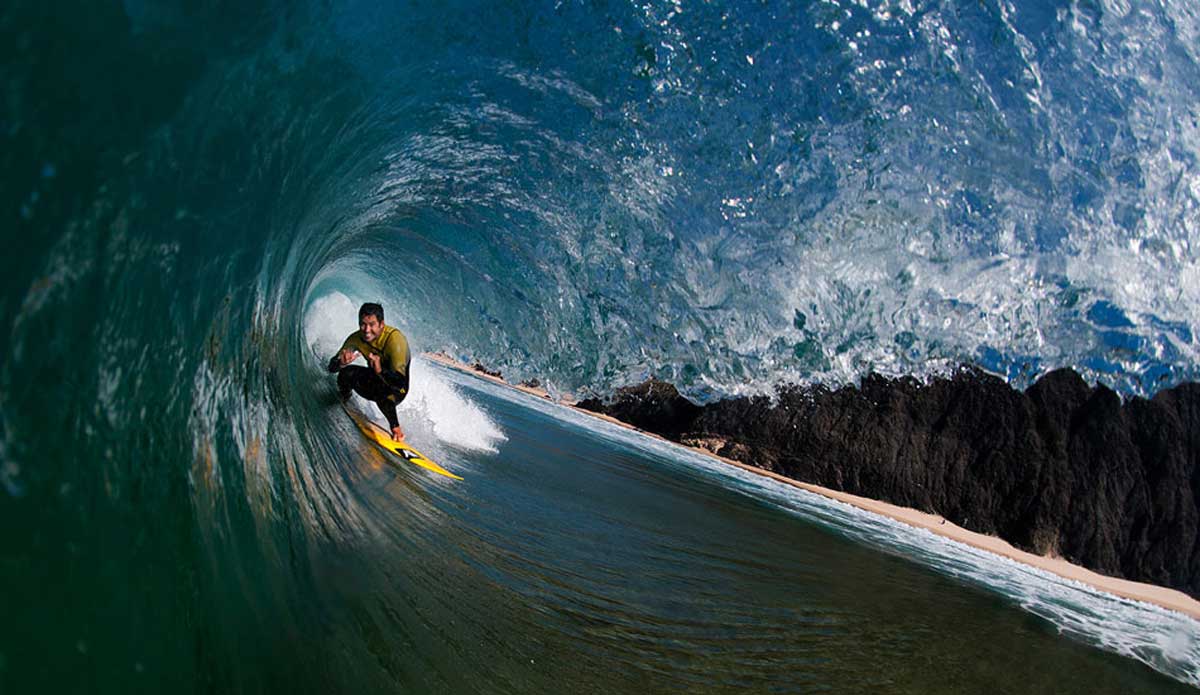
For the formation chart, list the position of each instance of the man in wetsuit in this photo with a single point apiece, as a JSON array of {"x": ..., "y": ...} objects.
[{"x": 385, "y": 348}]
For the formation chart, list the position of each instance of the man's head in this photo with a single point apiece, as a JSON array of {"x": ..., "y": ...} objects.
[{"x": 370, "y": 320}]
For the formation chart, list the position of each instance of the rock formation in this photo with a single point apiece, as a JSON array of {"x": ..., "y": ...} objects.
[{"x": 1063, "y": 468}]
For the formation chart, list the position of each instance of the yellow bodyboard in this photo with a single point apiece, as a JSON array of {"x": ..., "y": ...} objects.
[{"x": 384, "y": 439}]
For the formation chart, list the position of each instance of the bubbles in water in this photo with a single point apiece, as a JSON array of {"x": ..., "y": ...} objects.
[
  {"x": 454, "y": 419},
  {"x": 327, "y": 322}
]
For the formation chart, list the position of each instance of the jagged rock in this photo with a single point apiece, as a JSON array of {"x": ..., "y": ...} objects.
[
  {"x": 654, "y": 406},
  {"x": 1062, "y": 469},
  {"x": 713, "y": 444}
]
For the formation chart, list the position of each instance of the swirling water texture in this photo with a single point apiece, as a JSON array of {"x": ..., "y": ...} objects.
[{"x": 723, "y": 195}]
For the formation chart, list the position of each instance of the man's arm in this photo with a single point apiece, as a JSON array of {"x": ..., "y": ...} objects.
[{"x": 344, "y": 356}]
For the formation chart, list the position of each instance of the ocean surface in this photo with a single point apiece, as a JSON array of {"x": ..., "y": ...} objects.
[{"x": 728, "y": 195}]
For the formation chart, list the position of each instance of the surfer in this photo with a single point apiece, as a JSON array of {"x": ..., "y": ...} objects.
[{"x": 385, "y": 380}]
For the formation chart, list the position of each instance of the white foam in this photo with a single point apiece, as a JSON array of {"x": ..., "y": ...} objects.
[
  {"x": 327, "y": 322},
  {"x": 455, "y": 420}
]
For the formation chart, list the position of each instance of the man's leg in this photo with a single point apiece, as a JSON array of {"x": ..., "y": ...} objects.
[
  {"x": 388, "y": 408},
  {"x": 363, "y": 381},
  {"x": 349, "y": 379},
  {"x": 366, "y": 383}
]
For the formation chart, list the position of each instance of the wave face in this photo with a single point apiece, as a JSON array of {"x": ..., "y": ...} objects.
[{"x": 724, "y": 195}]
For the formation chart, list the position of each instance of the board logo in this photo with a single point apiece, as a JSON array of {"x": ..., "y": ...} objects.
[{"x": 410, "y": 455}]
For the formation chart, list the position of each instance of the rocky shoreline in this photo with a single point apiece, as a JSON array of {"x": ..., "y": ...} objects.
[{"x": 1061, "y": 469}]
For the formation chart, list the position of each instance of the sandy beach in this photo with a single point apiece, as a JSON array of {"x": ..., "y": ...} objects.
[{"x": 1149, "y": 593}]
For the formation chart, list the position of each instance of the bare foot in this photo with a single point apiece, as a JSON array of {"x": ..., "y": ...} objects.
[{"x": 397, "y": 434}]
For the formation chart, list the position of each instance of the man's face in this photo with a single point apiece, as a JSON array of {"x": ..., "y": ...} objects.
[{"x": 370, "y": 327}]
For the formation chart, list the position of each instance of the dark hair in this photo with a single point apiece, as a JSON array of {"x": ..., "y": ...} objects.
[{"x": 371, "y": 309}]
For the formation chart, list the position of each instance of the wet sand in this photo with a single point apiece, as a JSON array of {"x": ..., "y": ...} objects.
[{"x": 1137, "y": 591}]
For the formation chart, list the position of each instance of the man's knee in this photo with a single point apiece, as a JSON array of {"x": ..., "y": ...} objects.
[{"x": 347, "y": 378}]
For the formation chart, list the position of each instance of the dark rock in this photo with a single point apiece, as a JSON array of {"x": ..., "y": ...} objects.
[
  {"x": 654, "y": 406},
  {"x": 1062, "y": 469},
  {"x": 593, "y": 404}
]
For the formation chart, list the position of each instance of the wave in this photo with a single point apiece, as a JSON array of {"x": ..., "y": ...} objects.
[{"x": 724, "y": 196}]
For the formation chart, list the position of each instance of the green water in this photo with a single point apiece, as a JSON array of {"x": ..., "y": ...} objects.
[
  {"x": 184, "y": 507},
  {"x": 563, "y": 561}
]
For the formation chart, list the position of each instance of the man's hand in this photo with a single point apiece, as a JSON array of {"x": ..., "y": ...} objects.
[
  {"x": 376, "y": 363},
  {"x": 341, "y": 359}
]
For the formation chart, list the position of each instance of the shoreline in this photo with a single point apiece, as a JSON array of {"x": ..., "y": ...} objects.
[{"x": 1170, "y": 599}]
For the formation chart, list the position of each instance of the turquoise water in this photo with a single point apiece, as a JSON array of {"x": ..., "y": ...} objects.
[{"x": 195, "y": 198}]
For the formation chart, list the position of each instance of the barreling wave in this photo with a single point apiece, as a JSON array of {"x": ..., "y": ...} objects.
[{"x": 724, "y": 196}]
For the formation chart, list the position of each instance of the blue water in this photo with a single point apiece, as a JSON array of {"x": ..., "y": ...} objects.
[{"x": 725, "y": 195}]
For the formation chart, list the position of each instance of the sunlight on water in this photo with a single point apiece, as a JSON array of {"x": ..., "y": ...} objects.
[{"x": 724, "y": 195}]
